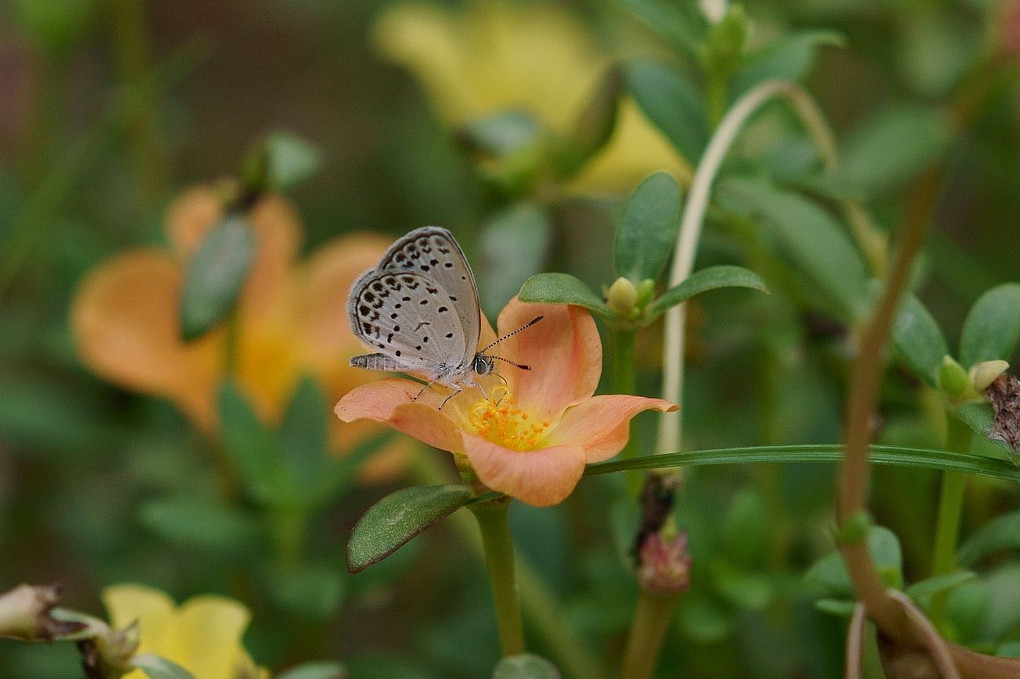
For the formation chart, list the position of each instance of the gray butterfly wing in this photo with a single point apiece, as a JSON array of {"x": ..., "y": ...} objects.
[
  {"x": 432, "y": 252},
  {"x": 412, "y": 322}
]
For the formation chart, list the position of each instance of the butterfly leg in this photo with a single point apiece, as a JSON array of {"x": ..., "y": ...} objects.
[
  {"x": 449, "y": 397},
  {"x": 423, "y": 390}
]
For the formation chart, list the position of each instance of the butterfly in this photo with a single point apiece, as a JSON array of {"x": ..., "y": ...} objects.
[{"x": 419, "y": 307}]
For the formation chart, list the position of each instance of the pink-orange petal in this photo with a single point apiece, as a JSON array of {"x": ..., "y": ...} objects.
[
  {"x": 326, "y": 279},
  {"x": 125, "y": 323},
  {"x": 600, "y": 425},
  {"x": 389, "y": 401},
  {"x": 563, "y": 350},
  {"x": 538, "y": 477}
]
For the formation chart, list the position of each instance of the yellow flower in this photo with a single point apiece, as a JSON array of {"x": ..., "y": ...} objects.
[
  {"x": 125, "y": 317},
  {"x": 202, "y": 635},
  {"x": 494, "y": 56}
]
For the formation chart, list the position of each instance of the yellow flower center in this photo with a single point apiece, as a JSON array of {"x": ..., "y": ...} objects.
[{"x": 498, "y": 419}]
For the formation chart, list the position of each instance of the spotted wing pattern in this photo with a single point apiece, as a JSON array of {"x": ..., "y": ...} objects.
[{"x": 419, "y": 307}]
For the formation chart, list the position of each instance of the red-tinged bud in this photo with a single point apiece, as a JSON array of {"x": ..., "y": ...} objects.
[{"x": 663, "y": 563}]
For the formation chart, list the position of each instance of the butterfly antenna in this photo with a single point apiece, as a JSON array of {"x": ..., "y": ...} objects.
[
  {"x": 527, "y": 325},
  {"x": 507, "y": 360}
]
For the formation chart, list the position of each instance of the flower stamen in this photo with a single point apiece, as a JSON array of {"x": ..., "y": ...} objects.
[{"x": 503, "y": 423}]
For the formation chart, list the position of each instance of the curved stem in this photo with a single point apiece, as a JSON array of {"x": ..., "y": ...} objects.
[
  {"x": 947, "y": 526},
  {"x": 694, "y": 217}
]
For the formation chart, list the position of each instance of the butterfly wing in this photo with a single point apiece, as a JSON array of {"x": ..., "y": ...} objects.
[
  {"x": 432, "y": 252},
  {"x": 412, "y": 322}
]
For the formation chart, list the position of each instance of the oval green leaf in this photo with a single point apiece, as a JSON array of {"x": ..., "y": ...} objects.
[
  {"x": 673, "y": 102},
  {"x": 710, "y": 278},
  {"x": 254, "y": 450},
  {"x": 513, "y": 245},
  {"x": 918, "y": 340},
  {"x": 561, "y": 288},
  {"x": 160, "y": 668},
  {"x": 646, "y": 234},
  {"x": 786, "y": 58},
  {"x": 992, "y": 327},
  {"x": 525, "y": 666},
  {"x": 812, "y": 239},
  {"x": 398, "y": 517},
  {"x": 1002, "y": 532},
  {"x": 979, "y": 416},
  {"x": 215, "y": 276},
  {"x": 595, "y": 125}
]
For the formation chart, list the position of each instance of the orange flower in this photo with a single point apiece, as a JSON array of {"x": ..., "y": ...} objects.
[
  {"x": 533, "y": 435},
  {"x": 290, "y": 316}
]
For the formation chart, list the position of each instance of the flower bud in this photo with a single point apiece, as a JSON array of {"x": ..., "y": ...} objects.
[
  {"x": 25, "y": 614},
  {"x": 713, "y": 10},
  {"x": 663, "y": 562},
  {"x": 953, "y": 379},
  {"x": 622, "y": 297},
  {"x": 645, "y": 290},
  {"x": 983, "y": 374}
]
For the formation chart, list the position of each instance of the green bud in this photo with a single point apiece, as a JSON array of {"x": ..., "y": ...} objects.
[
  {"x": 953, "y": 379},
  {"x": 645, "y": 290},
  {"x": 855, "y": 528},
  {"x": 726, "y": 41},
  {"x": 622, "y": 297},
  {"x": 983, "y": 374}
]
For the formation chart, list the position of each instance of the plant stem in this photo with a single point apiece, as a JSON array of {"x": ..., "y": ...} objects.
[
  {"x": 651, "y": 620},
  {"x": 694, "y": 217},
  {"x": 566, "y": 646},
  {"x": 947, "y": 526},
  {"x": 499, "y": 561}
]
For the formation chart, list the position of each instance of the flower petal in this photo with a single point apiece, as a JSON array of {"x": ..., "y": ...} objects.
[
  {"x": 563, "y": 350},
  {"x": 323, "y": 330},
  {"x": 125, "y": 322},
  {"x": 389, "y": 401},
  {"x": 538, "y": 477},
  {"x": 601, "y": 425},
  {"x": 153, "y": 610},
  {"x": 208, "y": 636}
]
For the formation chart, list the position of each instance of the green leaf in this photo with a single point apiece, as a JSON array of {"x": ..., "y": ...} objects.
[
  {"x": 316, "y": 670},
  {"x": 397, "y": 518},
  {"x": 646, "y": 235},
  {"x": 680, "y": 23},
  {"x": 992, "y": 328},
  {"x": 918, "y": 340},
  {"x": 939, "y": 583},
  {"x": 303, "y": 438},
  {"x": 787, "y": 58},
  {"x": 215, "y": 276},
  {"x": 815, "y": 453},
  {"x": 830, "y": 573},
  {"x": 254, "y": 450},
  {"x": 313, "y": 592},
  {"x": 812, "y": 239},
  {"x": 1002, "y": 532},
  {"x": 501, "y": 133},
  {"x": 595, "y": 124},
  {"x": 893, "y": 147},
  {"x": 160, "y": 668},
  {"x": 561, "y": 288},
  {"x": 525, "y": 666},
  {"x": 838, "y": 607},
  {"x": 979, "y": 416},
  {"x": 673, "y": 102},
  {"x": 513, "y": 245},
  {"x": 710, "y": 278},
  {"x": 196, "y": 523},
  {"x": 279, "y": 161}
]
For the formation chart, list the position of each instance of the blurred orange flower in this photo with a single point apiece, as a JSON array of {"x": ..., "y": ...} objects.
[
  {"x": 291, "y": 317},
  {"x": 493, "y": 56},
  {"x": 533, "y": 435}
]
